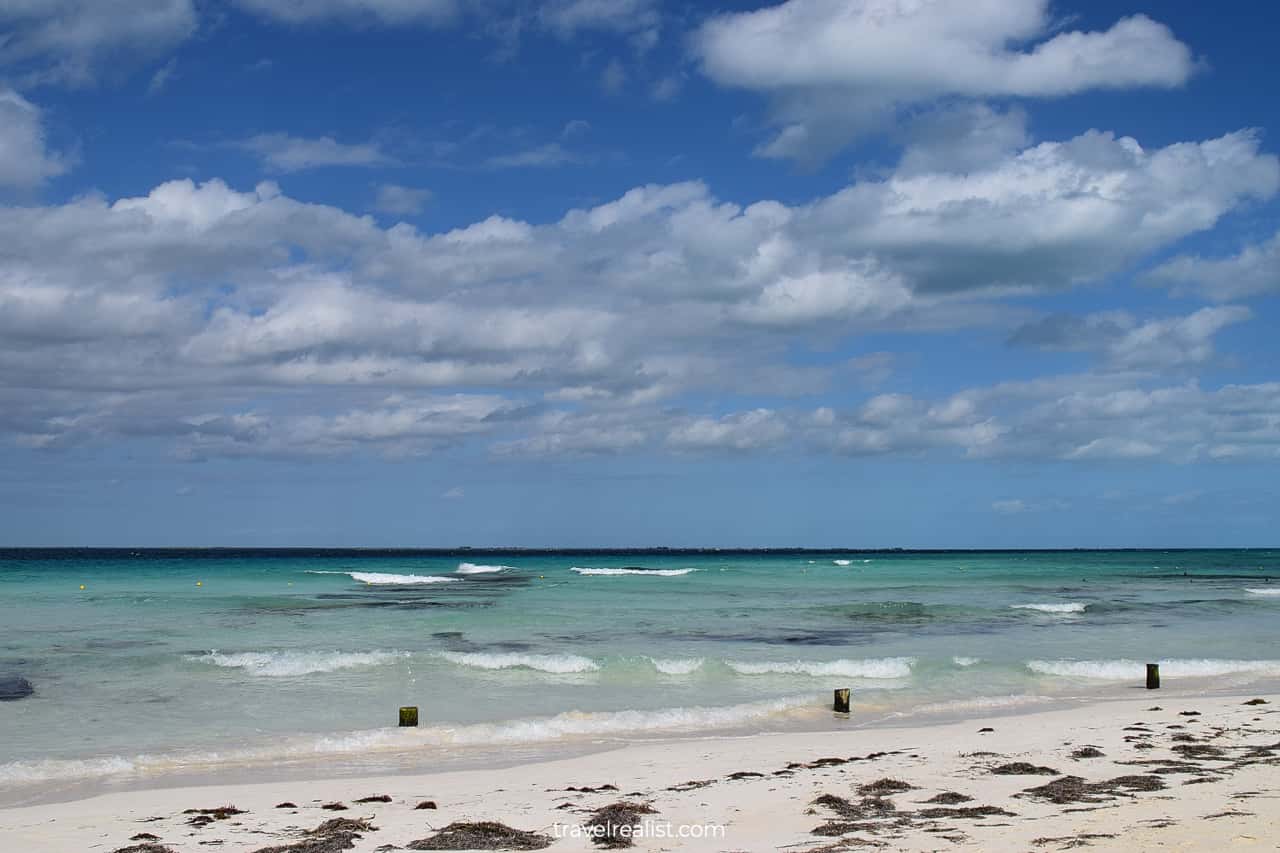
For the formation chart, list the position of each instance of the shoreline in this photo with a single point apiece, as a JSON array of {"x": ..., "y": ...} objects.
[
  {"x": 775, "y": 808},
  {"x": 195, "y": 770}
]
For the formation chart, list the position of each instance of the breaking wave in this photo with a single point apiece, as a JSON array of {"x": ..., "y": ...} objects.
[
  {"x": 285, "y": 664},
  {"x": 1268, "y": 591},
  {"x": 383, "y": 578},
  {"x": 660, "y": 573},
  {"x": 556, "y": 664},
  {"x": 677, "y": 666},
  {"x": 1068, "y": 607},
  {"x": 1125, "y": 670},
  {"x": 870, "y": 668},
  {"x": 474, "y": 569}
]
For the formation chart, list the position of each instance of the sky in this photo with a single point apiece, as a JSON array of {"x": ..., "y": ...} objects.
[{"x": 860, "y": 273}]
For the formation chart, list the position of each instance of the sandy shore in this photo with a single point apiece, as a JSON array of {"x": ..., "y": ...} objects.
[{"x": 1159, "y": 772}]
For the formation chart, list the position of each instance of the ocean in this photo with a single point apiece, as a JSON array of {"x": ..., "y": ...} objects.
[{"x": 156, "y": 665}]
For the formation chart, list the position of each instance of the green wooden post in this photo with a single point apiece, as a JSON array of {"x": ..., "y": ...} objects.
[{"x": 409, "y": 715}]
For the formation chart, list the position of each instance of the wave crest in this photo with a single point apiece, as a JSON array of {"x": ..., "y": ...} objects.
[
  {"x": 1269, "y": 591},
  {"x": 285, "y": 664},
  {"x": 555, "y": 664},
  {"x": 476, "y": 569},
  {"x": 1125, "y": 670},
  {"x": 384, "y": 578},
  {"x": 870, "y": 668},
  {"x": 659, "y": 573},
  {"x": 1067, "y": 607}
]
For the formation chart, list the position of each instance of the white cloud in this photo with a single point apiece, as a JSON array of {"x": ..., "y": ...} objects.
[
  {"x": 285, "y": 153},
  {"x": 76, "y": 41},
  {"x": 545, "y": 156},
  {"x": 1129, "y": 344},
  {"x": 743, "y": 431},
  {"x": 1253, "y": 271},
  {"x": 25, "y": 159},
  {"x": 1010, "y": 507},
  {"x": 291, "y": 322},
  {"x": 379, "y": 11},
  {"x": 834, "y": 68},
  {"x": 399, "y": 200},
  {"x": 569, "y": 17}
]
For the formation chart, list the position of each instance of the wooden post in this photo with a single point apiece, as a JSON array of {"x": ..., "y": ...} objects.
[
  {"x": 1153, "y": 676},
  {"x": 842, "y": 700},
  {"x": 409, "y": 715}
]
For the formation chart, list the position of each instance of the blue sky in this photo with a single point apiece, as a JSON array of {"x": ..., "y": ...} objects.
[{"x": 624, "y": 272}]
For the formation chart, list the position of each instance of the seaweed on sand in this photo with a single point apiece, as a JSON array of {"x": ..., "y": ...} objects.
[
  {"x": 949, "y": 798},
  {"x": 880, "y": 787},
  {"x": 614, "y": 825},
  {"x": 1073, "y": 789},
  {"x": 1022, "y": 768},
  {"x": 376, "y": 798},
  {"x": 147, "y": 847},
  {"x": 1087, "y": 752},
  {"x": 332, "y": 836},
  {"x": 968, "y": 812},
  {"x": 481, "y": 835}
]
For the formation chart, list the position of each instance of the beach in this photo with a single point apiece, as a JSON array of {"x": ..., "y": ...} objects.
[{"x": 1169, "y": 770}]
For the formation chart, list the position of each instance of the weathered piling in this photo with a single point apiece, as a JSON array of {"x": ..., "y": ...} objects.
[
  {"x": 1153, "y": 676},
  {"x": 409, "y": 715},
  {"x": 842, "y": 700}
]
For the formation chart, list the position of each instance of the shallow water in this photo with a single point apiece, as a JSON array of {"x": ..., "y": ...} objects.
[{"x": 182, "y": 662}]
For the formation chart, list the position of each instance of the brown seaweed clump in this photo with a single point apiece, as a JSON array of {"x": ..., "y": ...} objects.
[
  {"x": 147, "y": 847},
  {"x": 1073, "y": 789},
  {"x": 1088, "y": 752},
  {"x": 949, "y": 798},
  {"x": 968, "y": 811},
  {"x": 881, "y": 787},
  {"x": 1022, "y": 768},
  {"x": 342, "y": 824},
  {"x": 376, "y": 798},
  {"x": 482, "y": 835},
  {"x": 332, "y": 836},
  {"x": 614, "y": 825},
  {"x": 334, "y": 843}
]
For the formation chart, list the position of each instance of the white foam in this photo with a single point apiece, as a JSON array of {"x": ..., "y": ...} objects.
[
  {"x": 660, "y": 573},
  {"x": 1068, "y": 607},
  {"x": 557, "y": 664},
  {"x": 1125, "y": 670},
  {"x": 474, "y": 569},
  {"x": 677, "y": 666},
  {"x": 870, "y": 668},
  {"x": 391, "y": 739},
  {"x": 964, "y": 661},
  {"x": 1268, "y": 591},
  {"x": 286, "y": 664},
  {"x": 981, "y": 703},
  {"x": 383, "y": 578},
  {"x": 842, "y": 562}
]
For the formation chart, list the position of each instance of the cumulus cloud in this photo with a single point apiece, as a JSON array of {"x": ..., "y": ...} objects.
[
  {"x": 835, "y": 68},
  {"x": 304, "y": 329},
  {"x": 1255, "y": 270},
  {"x": 1130, "y": 344},
  {"x": 25, "y": 159},
  {"x": 75, "y": 41},
  {"x": 284, "y": 153}
]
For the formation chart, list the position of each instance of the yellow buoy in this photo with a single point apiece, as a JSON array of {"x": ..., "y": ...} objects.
[
  {"x": 82, "y": 586},
  {"x": 198, "y": 583}
]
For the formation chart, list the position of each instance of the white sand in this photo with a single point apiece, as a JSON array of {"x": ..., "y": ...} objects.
[{"x": 1238, "y": 808}]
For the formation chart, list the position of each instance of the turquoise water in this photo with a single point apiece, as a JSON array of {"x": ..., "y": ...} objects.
[{"x": 184, "y": 662}]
